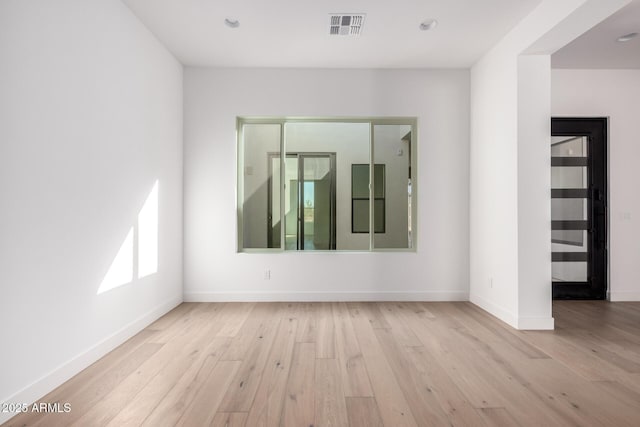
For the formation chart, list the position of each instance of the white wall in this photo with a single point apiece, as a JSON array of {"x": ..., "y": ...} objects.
[
  {"x": 510, "y": 262},
  {"x": 214, "y": 97},
  {"x": 613, "y": 94},
  {"x": 534, "y": 192},
  {"x": 90, "y": 118}
]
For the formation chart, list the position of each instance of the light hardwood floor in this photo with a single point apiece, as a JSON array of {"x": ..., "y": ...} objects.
[{"x": 362, "y": 364}]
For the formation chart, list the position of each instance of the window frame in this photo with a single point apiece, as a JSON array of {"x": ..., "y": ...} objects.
[{"x": 372, "y": 121}]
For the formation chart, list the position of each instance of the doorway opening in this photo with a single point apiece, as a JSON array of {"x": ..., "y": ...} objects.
[
  {"x": 579, "y": 208},
  {"x": 310, "y": 201}
]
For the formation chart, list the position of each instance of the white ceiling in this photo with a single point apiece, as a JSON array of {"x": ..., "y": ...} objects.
[
  {"x": 598, "y": 48},
  {"x": 294, "y": 33}
]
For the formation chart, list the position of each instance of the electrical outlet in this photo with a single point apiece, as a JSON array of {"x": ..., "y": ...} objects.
[{"x": 267, "y": 275}]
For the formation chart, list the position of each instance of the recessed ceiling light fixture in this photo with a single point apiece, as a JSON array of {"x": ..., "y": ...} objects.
[
  {"x": 429, "y": 24},
  {"x": 231, "y": 23},
  {"x": 627, "y": 37}
]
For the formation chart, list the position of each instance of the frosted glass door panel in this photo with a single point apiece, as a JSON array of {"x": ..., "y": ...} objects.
[
  {"x": 569, "y": 271},
  {"x": 568, "y": 177},
  {"x": 569, "y": 209}
]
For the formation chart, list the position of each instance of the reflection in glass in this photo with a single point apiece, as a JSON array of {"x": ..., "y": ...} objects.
[
  {"x": 568, "y": 146},
  {"x": 392, "y": 149},
  {"x": 325, "y": 151},
  {"x": 291, "y": 203},
  {"x": 569, "y": 177},
  {"x": 317, "y": 202},
  {"x": 569, "y": 241},
  {"x": 259, "y": 227},
  {"x": 568, "y": 209},
  {"x": 321, "y": 194},
  {"x": 309, "y": 201},
  {"x": 569, "y": 271},
  {"x": 360, "y": 220},
  {"x": 360, "y": 202}
]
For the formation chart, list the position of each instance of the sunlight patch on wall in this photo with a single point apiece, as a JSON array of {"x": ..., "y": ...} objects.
[
  {"x": 121, "y": 270},
  {"x": 142, "y": 240},
  {"x": 148, "y": 235}
]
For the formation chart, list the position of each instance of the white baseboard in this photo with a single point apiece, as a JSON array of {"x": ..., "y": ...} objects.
[
  {"x": 624, "y": 296},
  {"x": 524, "y": 323},
  {"x": 66, "y": 371},
  {"x": 502, "y": 314},
  {"x": 325, "y": 296},
  {"x": 536, "y": 323}
]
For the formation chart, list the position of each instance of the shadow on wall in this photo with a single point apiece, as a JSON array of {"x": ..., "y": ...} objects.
[
  {"x": 138, "y": 254},
  {"x": 254, "y": 218}
]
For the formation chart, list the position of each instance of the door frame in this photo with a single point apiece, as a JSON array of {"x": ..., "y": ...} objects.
[
  {"x": 300, "y": 223},
  {"x": 596, "y": 131}
]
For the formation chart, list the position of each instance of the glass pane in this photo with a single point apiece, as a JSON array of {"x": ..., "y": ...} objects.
[
  {"x": 569, "y": 241},
  {"x": 260, "y": 143},
  {"x": 291, "y": 206},
  {"x": 360, "y": 195},
  {"x": 569, "y": 146},
  {"x": 348, "y": 144},
  {"x": 360, "y": 181},
  {"x": 569, "y": 271},
  {"x": 361, "y": 215},
  {"x": 380, "y": 182},
  {"x": 569, "y": 177},
  {"x": 274, "y": 208},
  {"x": 379, "y": 215},
  {"x": 392, "y": 182},
  {"x": 568, "y": 209}
]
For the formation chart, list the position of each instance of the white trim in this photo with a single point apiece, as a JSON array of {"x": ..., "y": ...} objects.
[
  {"x": 325, "y": 296},
  {"x": 528, "y": 323},
  {"x": 502, "y": 314},
  {"x": 536, "y": 323},
  {"x": 67, "y": 370},
  {"x": 624, "y": 296}
]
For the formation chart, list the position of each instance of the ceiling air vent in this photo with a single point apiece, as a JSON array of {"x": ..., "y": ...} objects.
[{"x": 346, "y": 25}]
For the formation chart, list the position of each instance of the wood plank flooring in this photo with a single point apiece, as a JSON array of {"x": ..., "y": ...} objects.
[{"x": 362, "y": 364}]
